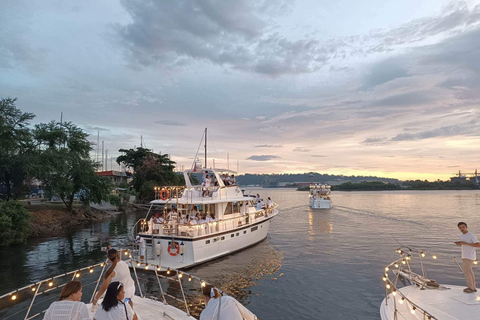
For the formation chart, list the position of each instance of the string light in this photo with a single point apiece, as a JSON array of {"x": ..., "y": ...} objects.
[
  {"x": 394, "y": 292},
  {"x": 14, "y": 297},
  {"x": 434, "y": 257},
  {"x": 91, "y": 270},
  {"x": 413, "y": 310},
  {"x": 384, "y": 278},
  {"x": 77, "y": 275},
  {"x": 396, "y": 265},
  {"x": 422, "y": 254},
  {"x": 180, "y": 275},
  {"x": 403, "y": 261},
  {"x": 401, "y": 300},
  {"x": 50, "y": 284},
  {"x": 387, "y": 268},
  {"x": 158, "y": 268},
  {"x": 203, "y": 284},
  {"x": 189, "y": 278},
  {"x": 146, "y": 266},
  {"x": 34, "y": 289},
  {"x": 138, "y": 263},
  {"x": 126, "y": 252},
  {"x": 168, "y": 271},
  {"x": 475, "y": 262},
  {"x": 102, "y": 264},
  {"x": 388, "y": 286}
]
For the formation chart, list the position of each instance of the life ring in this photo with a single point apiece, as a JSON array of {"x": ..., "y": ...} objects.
[
  {"x": 164, "y": 194},
  {"x": 177, "y": 249}
]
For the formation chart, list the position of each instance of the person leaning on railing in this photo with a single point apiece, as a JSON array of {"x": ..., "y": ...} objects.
[
  {"x": 68, "y": 306},
  {"x": 113, "y": 307},
  {"x": 218, "y": 307}
]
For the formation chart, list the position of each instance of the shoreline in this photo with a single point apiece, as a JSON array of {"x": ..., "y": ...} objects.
[{"x": 52, "y": 220}]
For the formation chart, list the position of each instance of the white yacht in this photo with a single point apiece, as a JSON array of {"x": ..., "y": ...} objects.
[
  {"x": 228, "y": 222},
  {"x": 166, "y": 294},
  {"x": 320, "y": 196},
  {"x": 423, "y": 298}
]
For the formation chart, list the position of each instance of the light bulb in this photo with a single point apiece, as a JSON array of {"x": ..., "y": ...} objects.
[
  {"x": 387, "y": 268},
  {"x": 388, "y": 286},
  {"x": 138, "y": 263},
  {"x": 14, "y": 297},
  {"x": 422, "y": 254},
  {"x": 401, "y": 300},
  {"x": 403, "y": 261},
  {"x": 189, "y": 278},
  {"x": 34, "y": 289},
  {"x": 203, "y": 284},
  {"x": 158, "y": 268},
  {"x": 396, "y": 265},
  {"x": 91, "y": 270},
  {"x": 434, "y": 257},
  {"x": 146, "y": 266},
  {"x": 77, "y": 275},
  {"x": 394, "y": 293},
  {"x": 413, "y": 310},
  {"x": 50, "y": 284},
  {"x": 384, "y": 278},
  {"x": 475, "y": 262},
  {"x": 180, "y": 275}
]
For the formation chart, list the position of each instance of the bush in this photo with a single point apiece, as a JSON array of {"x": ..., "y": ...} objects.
[{"x": 14, "y": 223}]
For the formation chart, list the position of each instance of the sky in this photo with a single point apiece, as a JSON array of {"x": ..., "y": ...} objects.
[{"x": 373, "y": 87}]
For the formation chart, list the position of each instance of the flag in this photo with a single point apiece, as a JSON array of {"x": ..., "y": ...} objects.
[{"x": 195, "y": 166}]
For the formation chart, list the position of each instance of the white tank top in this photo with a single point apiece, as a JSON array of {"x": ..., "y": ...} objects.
[{"x": 122, "y": 274}]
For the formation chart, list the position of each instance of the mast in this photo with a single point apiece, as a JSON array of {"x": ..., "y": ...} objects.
[{"x": 205, "y": 166}]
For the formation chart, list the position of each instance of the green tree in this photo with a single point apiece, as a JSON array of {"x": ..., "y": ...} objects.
[
  {"x": 14, "y": 223},
  {"x": 16, "y": 147},
  {"x": 65, "y": 165},
  {"x": 150, "y": 169}
]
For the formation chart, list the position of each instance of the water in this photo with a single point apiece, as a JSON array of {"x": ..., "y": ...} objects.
[{"x": 321, "y": 264}]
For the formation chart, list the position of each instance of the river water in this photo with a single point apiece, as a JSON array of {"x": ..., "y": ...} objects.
[{"x": 315, "y": 264}]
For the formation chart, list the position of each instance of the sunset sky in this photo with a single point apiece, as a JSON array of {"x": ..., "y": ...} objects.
[{"x": 373, "y": 87}]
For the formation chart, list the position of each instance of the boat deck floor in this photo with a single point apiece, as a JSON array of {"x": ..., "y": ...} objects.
[{"x": 446, "y": 303}]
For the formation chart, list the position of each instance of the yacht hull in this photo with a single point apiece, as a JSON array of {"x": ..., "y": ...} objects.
[
  {"x": 320, "y": 204},
  {"x": 203, "y": 248}
]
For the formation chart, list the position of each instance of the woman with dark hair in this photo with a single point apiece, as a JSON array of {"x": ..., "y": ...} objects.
[
  {"x": 113, "y": 307},
  {"x": 68, "y": 306},
  {"x": 120, "y": 272},
  {"x": 218, "y": 307}
]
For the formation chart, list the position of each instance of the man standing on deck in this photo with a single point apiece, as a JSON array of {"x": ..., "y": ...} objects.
[{"x": 468, "y": 241}]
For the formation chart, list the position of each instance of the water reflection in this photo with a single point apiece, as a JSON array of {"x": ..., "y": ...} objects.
[{"x": 319, "y": 221}]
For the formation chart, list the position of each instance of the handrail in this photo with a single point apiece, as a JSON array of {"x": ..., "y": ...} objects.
[
  {"x": 406, "y": 253},
  {"x": 172, "y": 274},
  {"x": 254, "y": 215}
]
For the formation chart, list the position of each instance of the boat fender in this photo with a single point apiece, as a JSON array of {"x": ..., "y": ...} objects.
[
  {"x": 182, "y": 248},
  {"x": 158, "y": 249},
  {"x": 173, "y": 249}
]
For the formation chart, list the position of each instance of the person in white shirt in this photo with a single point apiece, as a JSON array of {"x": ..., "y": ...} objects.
[
  {"x": 219, "y": 307},
  {"x": 119, "y": 272},
  {"x": 269, "y": 203},
  {"x": 468, "y": 241},
  {"x": 113, "y": 307},
  {"x": 69, "y": 305},
  {"x": 141, "y": 246},
  {"x": 206, "y": 186},
  {"x": 259, "y": 205}
]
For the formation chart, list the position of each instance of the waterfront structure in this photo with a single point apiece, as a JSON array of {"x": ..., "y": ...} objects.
[
  {"x": 320, "y": 196},
  {"x": 423, "y": 298},
  {"x": 201, "y": 221}
]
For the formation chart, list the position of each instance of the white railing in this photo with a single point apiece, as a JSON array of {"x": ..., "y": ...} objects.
[
  {"x": 177, "y": 229},
  {"x": 23, "y": 303}
]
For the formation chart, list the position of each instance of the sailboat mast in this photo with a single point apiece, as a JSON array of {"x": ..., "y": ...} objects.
[{"x": 205, "y": 148}]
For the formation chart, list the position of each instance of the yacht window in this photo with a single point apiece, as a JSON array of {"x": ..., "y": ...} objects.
[
  {"x": 237, "y": 234},
  {"x": 254, "y": 228},
  {"x": 222, "y": 238},
  {"x": 229, "y": 208},
  {"x": 232, "y": 235},
  {"x": 207, "y": 242}
]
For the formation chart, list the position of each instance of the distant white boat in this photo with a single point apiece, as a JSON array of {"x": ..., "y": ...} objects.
[
  {"x": 320, "y": 196},
  {"x": 234, "y": 222},
  {"x": 423, "y": 298}
]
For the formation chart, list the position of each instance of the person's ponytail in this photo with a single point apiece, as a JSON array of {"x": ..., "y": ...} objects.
[{"x": 112, "y": 256}]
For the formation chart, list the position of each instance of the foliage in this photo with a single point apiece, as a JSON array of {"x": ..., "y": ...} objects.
[
  {"x": 14, "y": 223},
  {"x": 440, "y": 185},
  {"x": 65, "y": 166},
  {"x": 16, "y": 147},
  {"x": 150, "y": 169},
  {"x": 115, "y": 200}
]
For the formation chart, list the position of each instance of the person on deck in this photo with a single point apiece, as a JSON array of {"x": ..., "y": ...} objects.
[
  {"x": 206, "y": 186},
  {"x": 269, "y": 203},
  {"x": 118, "y": 271},
  {"x": 468, "y": 241},
  {"x": 113, "y": 307},
  {"x": 69, "y": 305},
  {"x": 218, "y": 307}
]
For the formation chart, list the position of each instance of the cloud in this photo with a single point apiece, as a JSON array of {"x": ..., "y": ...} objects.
[
  {"x": 383, "y": 72},
  {"x": 318, "y": 156},
  {"x": 447, "y": 131},
  {"x": 169, "y": 123},
  {"x": 268, "y": 146},
  {"x": 263, "y": 158},
  {"x": 375, "y": 140},
  {"x": 300, "y": 149}
]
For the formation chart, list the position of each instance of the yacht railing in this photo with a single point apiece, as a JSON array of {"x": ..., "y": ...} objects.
[
  {"x": 401, "y": 268},
  {"x": 175, "y": 228},
  {"x": 177, "y": 288}
]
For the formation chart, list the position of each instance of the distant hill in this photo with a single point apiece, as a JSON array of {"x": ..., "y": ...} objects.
[{"x": 281, "y": 180}]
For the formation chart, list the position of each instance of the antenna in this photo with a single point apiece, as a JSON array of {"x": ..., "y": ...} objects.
[{"x": 205, "y": 166}]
